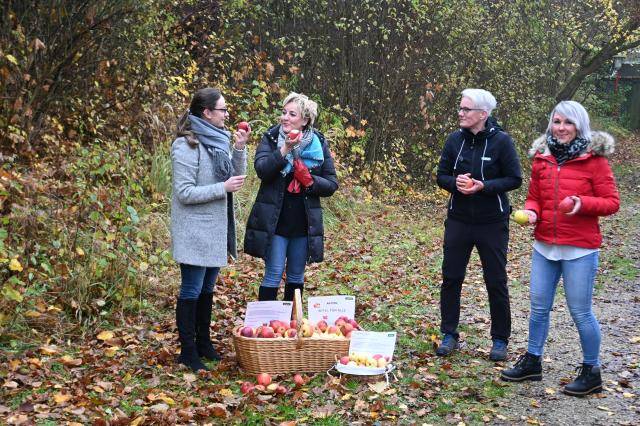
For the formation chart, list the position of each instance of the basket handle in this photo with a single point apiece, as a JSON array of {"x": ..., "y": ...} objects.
[{"x": 297, "y": 315}]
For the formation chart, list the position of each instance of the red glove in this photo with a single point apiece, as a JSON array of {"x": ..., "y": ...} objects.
[
  {"x": 294, "y": 187},
  {"x": 301, "y": 173}
]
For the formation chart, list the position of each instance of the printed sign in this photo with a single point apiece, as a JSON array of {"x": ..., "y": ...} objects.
[
  {"x": 259, "y": 313},
  {"x": 373, "y": 342},
  {"x": 329, "y": 308}
]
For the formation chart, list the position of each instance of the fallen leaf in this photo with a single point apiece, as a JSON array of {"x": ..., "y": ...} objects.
[
  {"x": 70, "y": 362},
  {"x": 48, "y": 350},
  {"x": 159, "y": 408},
  {"x": 105, "y": 335},
  {"x": 61, "y": 398},
  {"x": 226, "y": 392},
  {"x": 10, "y": 384},
  {"x": 378, "y": 387}
]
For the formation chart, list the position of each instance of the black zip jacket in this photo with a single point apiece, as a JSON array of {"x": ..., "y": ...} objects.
[{"x": 490, "y": 157}]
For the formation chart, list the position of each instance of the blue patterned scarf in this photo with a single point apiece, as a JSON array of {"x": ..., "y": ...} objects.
[{"x": 564, "y": 152}]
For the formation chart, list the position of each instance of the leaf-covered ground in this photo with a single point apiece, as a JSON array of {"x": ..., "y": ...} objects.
[{"x": 389, "y": 257}]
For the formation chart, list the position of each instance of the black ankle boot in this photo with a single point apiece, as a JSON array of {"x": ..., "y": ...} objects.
[
  {"x": 186, "y": 323},
  {"x": 203, "y": 324},
  {"x": 267, "y": 293},
  {"x": 588, "y": 381},
  {"x": 527, "y": 367},
  {"x": 289, "y": 290}
]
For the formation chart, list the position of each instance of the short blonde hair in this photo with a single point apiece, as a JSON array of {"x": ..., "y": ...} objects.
[{"x": 307, "y": 107}]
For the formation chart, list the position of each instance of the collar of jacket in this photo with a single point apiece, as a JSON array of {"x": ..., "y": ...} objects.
[
  {"x": 601, "y": 143},
  {"x": 491, "y": 127}
]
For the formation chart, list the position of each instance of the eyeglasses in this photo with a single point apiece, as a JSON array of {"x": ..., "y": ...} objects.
[
  {"x": 466, "y": 110},
  {"x": 224, "y": 110}
]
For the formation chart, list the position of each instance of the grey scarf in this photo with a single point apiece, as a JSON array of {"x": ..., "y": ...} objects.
[{"x": 217, "y": 142}]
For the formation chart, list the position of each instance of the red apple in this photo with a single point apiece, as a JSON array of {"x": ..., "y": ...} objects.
[
  {"x": 281, "y": 390},
  {"x": 293, "y": 324},
  {"x": 298, "y": 380},
  {"x": 246, "y": 332},
  {"x": 306, "y": 330},
  {"x": 263, "y": 379},
  {"x": 340, "y": 322},
  {"x": 267, "y": 332},
  {"x": 566, "y": 205},
  {"x": 246, "y": 387},
  {"x": 322, "y": 325},
  {"x": 469, "y": 184},
  {"x": 294, "y": 134},
  {"x": 354, "y": 324},
  {"x": 291, "y": 333},
  {"x": 346, "y": 328},
  {"x": 344, "y": 360},
  {"x": 243, "y": 125}
]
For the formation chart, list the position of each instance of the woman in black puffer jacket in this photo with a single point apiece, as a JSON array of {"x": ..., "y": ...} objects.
[{"x": 285, "y": 224}]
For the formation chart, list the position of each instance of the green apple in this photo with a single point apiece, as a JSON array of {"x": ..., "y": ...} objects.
[{"x": 521, "y": 217}]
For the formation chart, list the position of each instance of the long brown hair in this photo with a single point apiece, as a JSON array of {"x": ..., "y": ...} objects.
[{"x": 205, "y": 98}]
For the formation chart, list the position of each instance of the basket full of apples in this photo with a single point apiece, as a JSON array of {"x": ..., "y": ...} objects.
[{"x": 297, "y": 346}]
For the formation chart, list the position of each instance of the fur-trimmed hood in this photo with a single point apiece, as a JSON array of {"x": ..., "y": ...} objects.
[{"x": 601, "y": 143}]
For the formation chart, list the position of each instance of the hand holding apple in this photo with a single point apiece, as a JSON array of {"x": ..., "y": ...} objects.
[
  {"x": 241, "y": 135},
  {"x": 570, "y": 205},
  {"x": 525, "y": 217}
]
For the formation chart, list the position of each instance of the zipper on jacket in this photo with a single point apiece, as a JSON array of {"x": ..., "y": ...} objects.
[
  {"x": 555, "y": 208},
  {"x": 473, "y": 161}
]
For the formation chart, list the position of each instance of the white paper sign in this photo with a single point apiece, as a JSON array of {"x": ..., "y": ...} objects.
[
  {"x": 259, "y": 313},
  {"x": 329, "y": 308},
  {"x": 373, "y": 342}
]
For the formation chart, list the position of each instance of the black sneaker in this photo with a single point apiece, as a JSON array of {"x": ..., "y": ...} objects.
[
  {"x": 448, "y": 345},
  {"x": 588, "y": 381},
  {"x": 527, "y": 367},
  {"x": 498, "y": 350}
]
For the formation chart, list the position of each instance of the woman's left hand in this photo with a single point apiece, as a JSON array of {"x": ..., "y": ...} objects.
[
  {"x": 241, "y": 138},
  {"x": 577, "y": 203}
]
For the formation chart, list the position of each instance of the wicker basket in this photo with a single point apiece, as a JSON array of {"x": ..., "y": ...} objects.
[{"x": 289, "y": 355}]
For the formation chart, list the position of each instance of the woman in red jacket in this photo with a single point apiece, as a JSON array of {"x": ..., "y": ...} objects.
[{"x": 571, "y": 186}]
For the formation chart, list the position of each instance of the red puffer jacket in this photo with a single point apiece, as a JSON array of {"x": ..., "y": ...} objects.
[{"x": 588, "y": 177}]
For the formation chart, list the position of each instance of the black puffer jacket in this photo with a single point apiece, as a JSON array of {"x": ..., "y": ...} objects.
[
  {"x": 490, "y": 157},
  {"x": 264, "y": 215}
]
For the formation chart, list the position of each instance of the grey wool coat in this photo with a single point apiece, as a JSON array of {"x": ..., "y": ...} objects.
[{"x": 199, "y": 215}]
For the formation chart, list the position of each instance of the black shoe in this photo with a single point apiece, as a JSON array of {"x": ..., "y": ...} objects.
[
  {"x": 527, "y": 367},
  {"x": 588, "y": 381},
  {"x": 498, "y": 350},
  {"x": 448, "y": 345},
  {"x": 203, "y": 324},
  {"x": 289, "y": 290},
  {"x": 267, "y": 293},
  {"x": 186, "y": 323}
]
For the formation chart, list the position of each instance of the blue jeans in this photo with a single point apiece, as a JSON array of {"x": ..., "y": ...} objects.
[
  {"x": 196, "y": 280},
  {"x": 578, "y": 276},
  {"x": 291, "y": 251}
]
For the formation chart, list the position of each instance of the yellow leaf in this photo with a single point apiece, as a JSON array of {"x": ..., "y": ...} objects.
[
  {"x": 628, "y": 395},
  {"x": 105, "y": 335},
  {"x": 70, "y": 362},
  {"x": 32, "y": 314},
  {"x": 137, "y": 421},
  {"x": 61, "y": 398},
  {"x": 226, "y": 392},
  {"x": 167, "y": 399},
  {"x": 12, "y": 59},
  {"x": 14, "y": 265},
  {"x": 143, "y": 266},
  {"x": 111, "y": 351},
  {"x": 79, "y": 251}
]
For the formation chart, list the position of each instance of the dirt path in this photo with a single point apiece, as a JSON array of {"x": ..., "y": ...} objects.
[{"x": 617, "y": 307}]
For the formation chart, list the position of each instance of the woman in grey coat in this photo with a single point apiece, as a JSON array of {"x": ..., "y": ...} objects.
[{"x": 206, "y": 173}]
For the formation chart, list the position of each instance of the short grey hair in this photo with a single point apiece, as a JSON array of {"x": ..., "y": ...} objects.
[
  {"x": 307, "y": 107},
  {"x": 481, "y": 99},
  {"x": 575, "y": 113}
]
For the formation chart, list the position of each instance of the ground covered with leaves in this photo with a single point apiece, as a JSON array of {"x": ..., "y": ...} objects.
[{"x": 388, "y": 255}]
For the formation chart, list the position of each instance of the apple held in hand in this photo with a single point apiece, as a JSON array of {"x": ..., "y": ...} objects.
[
  {"x": 243, "y": 125},
  {"x": 294, "y": 134},
  {"x": 469, "y": 184},
  {"x": 521, "y": 217},
  {"x": 566, "y": 205}
]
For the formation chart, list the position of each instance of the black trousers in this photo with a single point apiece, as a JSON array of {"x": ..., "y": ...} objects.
[{"x": 491, "y": 240}]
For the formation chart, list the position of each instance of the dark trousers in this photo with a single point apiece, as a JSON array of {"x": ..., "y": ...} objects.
[{"x": 491, "y": 241}]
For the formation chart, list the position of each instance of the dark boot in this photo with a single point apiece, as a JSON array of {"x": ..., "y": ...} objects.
[
  {"x": 448, "y": 345},
  {"x": 588, "y": 381},
  {"x": 186, "y": 323},
  {"x": 267, "y": 293},
  {"x": 498, "y": 350},
  {"x": 203, "y": 325},
  {"x": 527, "y": 367},
  {"x": 289, "y": 290}
]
